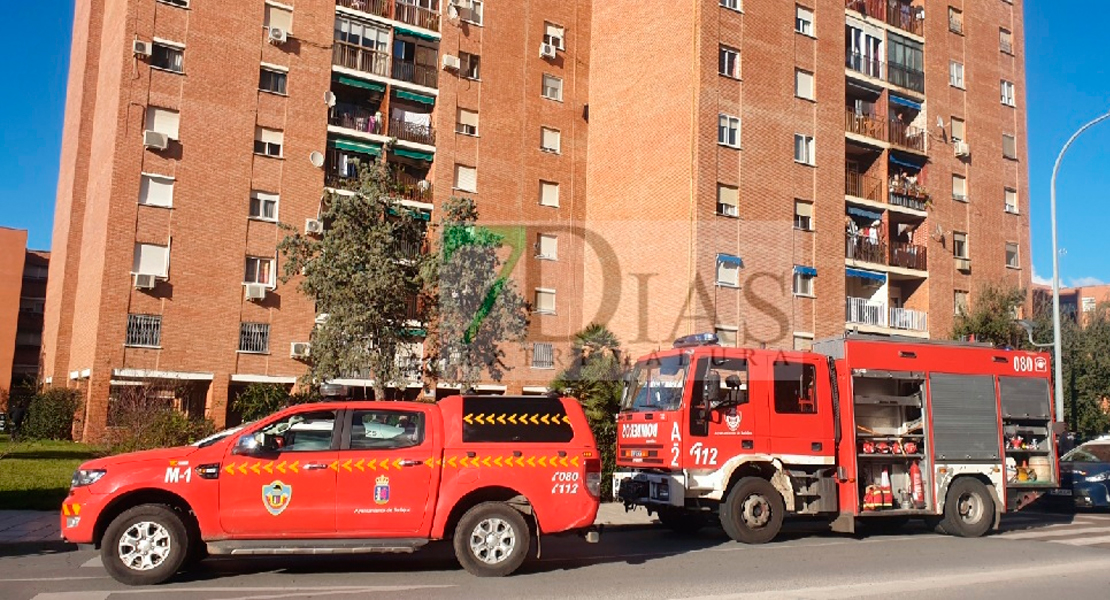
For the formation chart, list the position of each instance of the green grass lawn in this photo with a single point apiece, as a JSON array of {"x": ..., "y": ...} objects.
[{"x": 36, "y": 475}]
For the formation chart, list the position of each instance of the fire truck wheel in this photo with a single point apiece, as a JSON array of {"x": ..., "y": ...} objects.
[
  {"x": 492, "y": 540},
  {"x": 753, "y": 511},
  {"x": 682, "y": 521},
  {"x": 144, "y": 545},
  {"x": 968, "y": 509}
]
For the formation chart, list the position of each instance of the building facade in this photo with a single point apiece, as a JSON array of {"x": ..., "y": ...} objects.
[
  {"x": 22, "y": 303},
  {"x": 1076, "y": 303},
  {"x": 743, "y": 180}
]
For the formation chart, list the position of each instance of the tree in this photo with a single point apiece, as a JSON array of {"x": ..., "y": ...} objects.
[
  {"x": 261, "y": 399},
  {"x": 991, "y": 318},
  {"x": 595, "y": 379},
  {"x": 364, "y": 273},
  {"x": 1086, "y": 352},
  {"x": 474, "y": 308}
]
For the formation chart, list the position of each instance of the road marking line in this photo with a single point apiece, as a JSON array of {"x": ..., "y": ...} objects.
[
  {"x": 266, "y": 592},
  {"x": 93, "y": 562},
  {"x": 25, "y": 579},
  {"x": 1090, "y": 541},
  {"x": 1053, "y": 532}
]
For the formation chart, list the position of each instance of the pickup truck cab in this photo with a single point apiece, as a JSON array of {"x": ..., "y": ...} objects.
[{"x": 345, "y": 477}]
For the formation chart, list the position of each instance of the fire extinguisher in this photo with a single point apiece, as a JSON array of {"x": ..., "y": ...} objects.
[{"x": 918, "y": 485}]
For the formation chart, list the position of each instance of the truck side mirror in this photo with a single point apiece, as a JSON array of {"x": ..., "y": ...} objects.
[
  {"x": 247, "y": 445},
  {"x": 733, "y": 383}
]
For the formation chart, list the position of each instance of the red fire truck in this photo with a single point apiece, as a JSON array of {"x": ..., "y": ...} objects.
[{"x": 859, "y": 428}]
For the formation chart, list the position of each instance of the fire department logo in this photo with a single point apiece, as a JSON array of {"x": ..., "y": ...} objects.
[
  {"x": 276, "y": 496},
  {"x": 732, "y": 419},
  {"x": 381, "y": 490}
]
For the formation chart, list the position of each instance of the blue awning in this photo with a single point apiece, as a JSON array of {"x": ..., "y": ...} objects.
[
  {"x": 866, "y": 214},
  {"x": 865, "y": 274},
  {"x": 805, "y": 271},
  {"x": 904, "y": 102},
  {"x": 905, "y": 163},
  {"x": 730, "y": 260}
]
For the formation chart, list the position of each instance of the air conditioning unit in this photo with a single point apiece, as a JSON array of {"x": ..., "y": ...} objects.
[
  {"x": 962, "y": 148},
  {"x": 140, "y": 48},
  {"x": 451, "y": 62},
  {"x": 300, "y": 349},
  {"x": 313, "y": 226},
  {"x": 322, "y": 318},
  {"x": 547, "y": 50},
  {"x": 963, "y": 264},
  {"x": 278, "y": 35},
  {"x": 255, "y": 291},
  {"x": 144, "y": 281},
  {"x": 156, "y": 140}
]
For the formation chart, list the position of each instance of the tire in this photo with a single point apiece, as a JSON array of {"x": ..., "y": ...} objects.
[
  {"x": 492, "y": 540},
  {"x": 753, "y": 511},
  {"x": 968, "y": 509},
  {"x": 145, "y": 545},
  {"x": 682, "y": 521}
]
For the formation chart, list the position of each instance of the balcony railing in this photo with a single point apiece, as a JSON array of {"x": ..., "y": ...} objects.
[
  {"x": 425, "y": 75},
  {"x": 909, "y": 320},
  {"x": 863, "y": 186},
  {"x": 419, "y": 16},
  {"x": 359, "y": 58},
  {"x": 909, "y": 256},
  {"x": 412, "y": 132},
  {"x": 906, "y": 77},
  {"x": 865, "y": 249},
  {"x": 406, "y": 187},
  {"x": 867, "y": 65},
  {"x": 867, "y": 125},
  {"x": 906, "y": 136},
  {"x": 908, "y": 194},
  {"x": 357, "y": 118},
  {"x": 380, "y": 8},
  {"x": 409, "y": 187},
  {"x": 864, "y": 311},
  {"x": 899, "y": 13}
]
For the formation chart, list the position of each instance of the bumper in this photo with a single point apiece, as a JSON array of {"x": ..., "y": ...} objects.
[
  {"x": 1084, "y": 495},
  {"x": 649, "y": 489},
  {"x": 78, "y": 517}
]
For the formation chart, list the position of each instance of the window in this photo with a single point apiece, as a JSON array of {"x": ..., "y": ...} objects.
[
  {"x": 553, "y": 35},
  {"x": 803, "y": 281},
  {"x": 728, "y": 200},
  {"x": 803, "y": 343},
  {"x": 151, "y": 259},
  {"x": 163, "y": 120},
  {"x": 543, "y": 355},
  {"x": 728, "y": 270},
  {"x": 264, "y": 206},
  {"x": 474, "y": 15},
  {"x": 271, "y": 79},
  {"x": 803, "y": 84},
  {"x": 300, "y": 432},
  {"x": 549, "y": 194},
  {"x": 386, "y": 429},
  {"x": 959, "y": 302},
  {"x": 1008, "y": 93},
  {"x": 177, "y": 3},
  {"x": 268, "y": 141},
  {"x": 254, "y": 338},
  {"x": 156, "y": 190},
  {"x": 956, "y": 74},
  {"x": 795, "y": 388},
  {"x": 167, "y": 56},
  {"x": 466, "y": 178},
  {"x": 803, "y": 215},
  {"x": 547, "y": 246},
  {"x": 803, "y": 21},
  {"x": 550, "y": 140},
  {"x": 470, "y": 65},
  {"x": 959, "y": 188},
  {"x": 467, "y": 122},
  {"x": 1088, "y": 304},
  {"x": 1011, "y": 201},
  {"x": 804, "y": 149},
  {"x": 728, "y": 131},
  {"x": 905, "y": 63},
  {"x": 731, "y": 4},
  {"x": 1012, "y": 256},
  {"x": 728, "y": 62},
  {"x": 278, "y": 17},
  {"x": 1009, "y": 146},
  {"x": 959, "y": 129},
  {"x": 726, "y": 335},
  {"x": 1005, "y": 41},
  {"x": 552, "y": 88},
  {"x": 259, "y": 270},
  {"x": 955, "y": 20},
  {"x": 144, "y": 331},
  {"x": 36, "y": 272},
  {"x": 545, "y": 301},
  {"x": 358, "y": 33},
  {"x": 959, "y": 244}
]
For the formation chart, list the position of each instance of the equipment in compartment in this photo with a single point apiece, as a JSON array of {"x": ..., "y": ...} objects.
[{"x": 890, "y": 441}]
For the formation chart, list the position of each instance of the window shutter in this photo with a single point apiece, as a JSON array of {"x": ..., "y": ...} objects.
[
  {"x": 270, "y": 136},
  {"x": 728, "y": 195},
  {"x": 549, "y": 246},
  {"x": 1009, "y": 146},
  {"x": 549, "y": 193},
  {"x": 156, "y": 191},
  {"x": 279, "y": 17},
  {"x": 163, "y": 121},
  {"x": 468, "y": 117},
  {"x": 150, "y": 259},
  {"x": 545, "y": 301},
  {"x": 959, "y": 129},
  {"x": 803, "y": 83},
  {"x": 551, "y": 139},
  {"x": 466, "y": 178},
  {"x": 803, "y": 209},
  {"x": 959, "y": 186}
]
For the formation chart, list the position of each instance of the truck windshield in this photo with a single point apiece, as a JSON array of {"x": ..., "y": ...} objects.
[{"x": 656, "y": 384}]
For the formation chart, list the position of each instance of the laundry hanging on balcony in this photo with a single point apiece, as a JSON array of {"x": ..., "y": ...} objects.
[{"x": 861, "y": 274}]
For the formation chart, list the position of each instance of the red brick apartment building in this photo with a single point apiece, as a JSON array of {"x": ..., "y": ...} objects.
[
  {"x": 22, "y": 302},
  {"x": 738, "y": 176},
  {"x": 1076, "y": 303}
]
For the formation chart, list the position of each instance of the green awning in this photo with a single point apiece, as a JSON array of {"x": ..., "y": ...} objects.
[
  {"x": 353, "y": 146},
  {"x": 420, "y": 215},
  {"x": 414, "y": 33},
  {"x": 360, "y": 83},
  {"x": 414, "y": 154},
  {"x": 416, "y": 97}
]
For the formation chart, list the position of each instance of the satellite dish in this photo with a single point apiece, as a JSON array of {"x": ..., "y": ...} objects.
[
  {"x": 938, "y": 233},
  {"x": 316, "y": 159},
  {"x": 329, "y": 98},
  {"x": 452, "y": 12},
  {"x": 940, "y": 121}
]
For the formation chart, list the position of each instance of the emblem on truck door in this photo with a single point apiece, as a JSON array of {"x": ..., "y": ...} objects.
[
  {"x": 276, "y": 497},
  {"x": 732, "y": 419},
  {"x": 381, "y": 490}
]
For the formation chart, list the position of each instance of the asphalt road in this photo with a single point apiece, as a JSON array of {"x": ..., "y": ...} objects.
[{"x": 1036, "y": 556}]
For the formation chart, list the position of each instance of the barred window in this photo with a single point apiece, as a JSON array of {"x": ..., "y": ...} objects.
[
  {"x": 144, "y": 331},
  {"x": 543, "y": 355},
  {"x": 254, "y": 338}
]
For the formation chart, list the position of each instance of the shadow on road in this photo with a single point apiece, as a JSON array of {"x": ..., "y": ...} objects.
[{"x": 35, "y": 549}]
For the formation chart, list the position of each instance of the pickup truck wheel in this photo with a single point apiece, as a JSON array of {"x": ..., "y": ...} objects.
[
  {"x": 968, "y": 509},
  {"x": 144, "y": 545},
  {"x": 682, "y": 521},
  {"x": 492, "y": 540},
  {"x": 753, "y": 511}
]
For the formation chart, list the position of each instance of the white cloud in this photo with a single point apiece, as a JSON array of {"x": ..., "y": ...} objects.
[
  {"x": 1038, "y": 280},
  {"x": 1087, "y": 282}
]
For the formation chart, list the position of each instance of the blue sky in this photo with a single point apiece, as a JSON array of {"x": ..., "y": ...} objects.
[{"x": 1068, "y": 84}]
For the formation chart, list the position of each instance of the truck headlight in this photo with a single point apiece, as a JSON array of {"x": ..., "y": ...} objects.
[
  {"x": 1098, "y": 478},
  {"x": 85, "y": 477}
]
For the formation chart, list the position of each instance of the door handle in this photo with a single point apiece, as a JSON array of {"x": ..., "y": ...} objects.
[
  {"x": 315, "y": 466},
  {"x": 411, "y": 463}
]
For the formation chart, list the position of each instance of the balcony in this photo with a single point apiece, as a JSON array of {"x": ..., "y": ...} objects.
[
  {"x": 905, "y": 319},
  {"x": 906, "y": 77},
  {"x": 357, "y": 118},
  {"x": 426, "y": 18},
  {"x": 425, "y": 75},
  {"x": 864, "y": 249},
  {"x": 908, "y": 194},
  {"x": 896, "y": 13},
  {"x": 863, "y": 186},
  {"x": 341, "y": 174},
  {"x": 380, "y": 8},
  {"x": 410, "y": 187},
  {"x": 359, "y": 58},
  {"x": 906, "y": 136},
  {"x": 865, "y": 125},
  {"x": 412, "y": 132},
  {"x": 864, "y": 311},
  {"x": 909, "y": 256},
  {"x": 865, "y": 65}
]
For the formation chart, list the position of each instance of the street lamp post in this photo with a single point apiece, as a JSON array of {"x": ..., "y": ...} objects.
[{"x": 1056, "y": 336}]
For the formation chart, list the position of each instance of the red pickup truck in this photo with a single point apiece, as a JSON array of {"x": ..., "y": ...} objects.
[{"x": 347, "y": 477}]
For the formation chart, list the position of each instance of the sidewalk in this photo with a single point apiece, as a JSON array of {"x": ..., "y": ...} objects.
[{"x": 612, "y": 514}]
